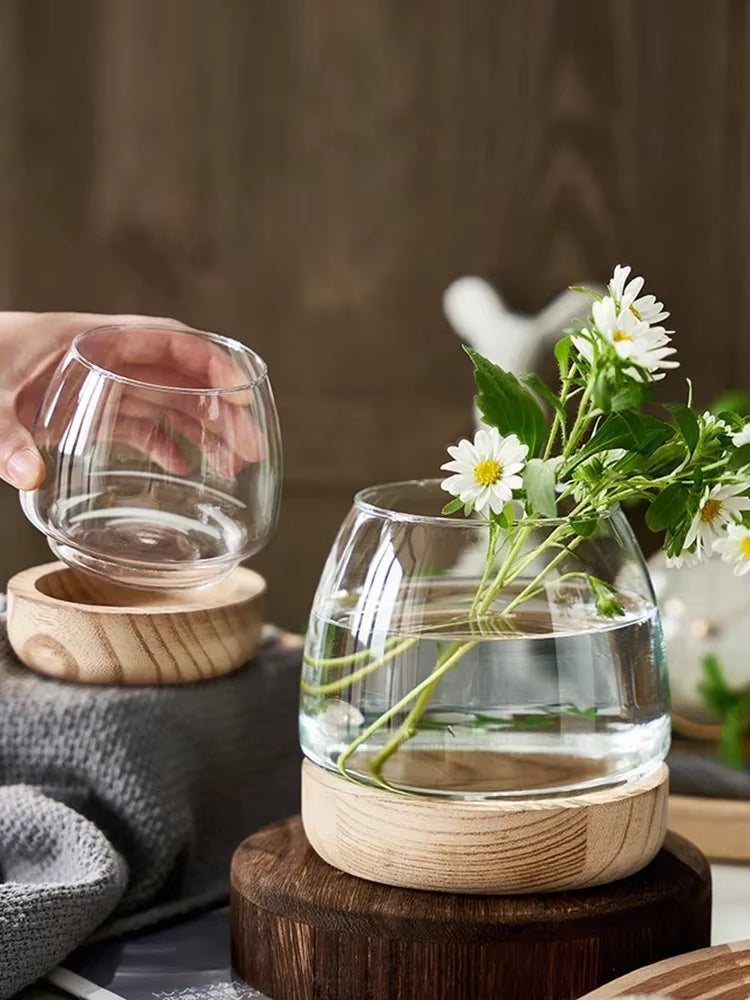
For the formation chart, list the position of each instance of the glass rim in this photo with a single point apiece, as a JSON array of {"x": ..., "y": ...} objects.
[
  {"x": 216, "y": 338},
  {"x": 363, "y": 501}
]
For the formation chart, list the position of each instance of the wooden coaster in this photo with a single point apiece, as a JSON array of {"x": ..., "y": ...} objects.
[
  {"x": 79, "y": 628},
  {"x": 719, "y": 973},
  {"x": 503, "y": 846},
  {"x": 302, "y": 930}
]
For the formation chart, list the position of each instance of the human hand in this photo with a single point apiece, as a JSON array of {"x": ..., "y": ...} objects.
[{"x": 31, "y": 347}]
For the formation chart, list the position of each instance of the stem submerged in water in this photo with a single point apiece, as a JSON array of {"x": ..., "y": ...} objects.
[{"x": 456, "y": 652}]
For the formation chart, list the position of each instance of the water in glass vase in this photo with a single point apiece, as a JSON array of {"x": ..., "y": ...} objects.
[{"x": 551, "y": 700}]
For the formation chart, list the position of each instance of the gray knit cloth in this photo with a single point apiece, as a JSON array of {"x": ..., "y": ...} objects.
[{"x": 122, "y": 806}]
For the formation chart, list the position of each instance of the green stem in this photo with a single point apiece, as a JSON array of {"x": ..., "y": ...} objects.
[
  {"x": 425, "y": 691},
  {"x": 491, "y": 552},
  {"x": 558, "y": 423},
  {"x": 344, "y": 682},
  {"x": 582, "y": 419},
  {"x": 408, "y": 727},
  {"x": 400, "y": 705},
  {"x": 329, "y": 662}
]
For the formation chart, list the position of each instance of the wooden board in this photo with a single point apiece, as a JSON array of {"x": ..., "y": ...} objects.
[
  {"x": 720, "y": 827},
  {"x": 302, "y": 930},
  {"x": 78, "y": 628},
  {"x": 309, "y": 177},
  {"x": 719, "y": 973}
]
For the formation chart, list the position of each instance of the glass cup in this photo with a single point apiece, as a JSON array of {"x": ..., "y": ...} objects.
[
  {"x": 162, "y": 456},
  {"x": 423, "y": 672}
]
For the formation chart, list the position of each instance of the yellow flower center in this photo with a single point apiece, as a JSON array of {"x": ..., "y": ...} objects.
[
  {"x": 745, "y": 546},
  {"x": 635, "y": 313},
  {"x": 710, "y": 510},
  {"x": 488, "y": 472},
  {"x": 619, "y": 335}
]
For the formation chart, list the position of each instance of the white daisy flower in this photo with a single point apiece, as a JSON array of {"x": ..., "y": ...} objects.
[
  {"x": 734, "y": 547},
  {"x": 719, "y": 506},
  {"x": 632, "y": 339},
  {"x": 742, "y": 437},
  {"x": 645, "y": 308},
  {"x": 485, "y": 470}
]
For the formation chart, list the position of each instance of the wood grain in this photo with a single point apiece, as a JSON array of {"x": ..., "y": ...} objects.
[
  {"x": 718, "y": 973},
  {"x": 79, "y": 628},
  {"x": 301, "y": 930},
  {"x": 720, "y": 827},
  {"x": 484, "y": 846},
  {"x": 308, "y": 177}
]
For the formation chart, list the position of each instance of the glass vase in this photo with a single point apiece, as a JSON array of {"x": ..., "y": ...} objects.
[
  {"x": 450, "y": 658},
  {"x": 162, "y": 456}
]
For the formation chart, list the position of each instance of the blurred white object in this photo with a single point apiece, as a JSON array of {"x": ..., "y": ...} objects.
[
  {"x": 515, "y": 341},
  {"x": 705, "y": 611}
]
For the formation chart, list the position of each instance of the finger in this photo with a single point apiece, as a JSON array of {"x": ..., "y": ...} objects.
[
  {"x": 21, "y": 464},
  {"x": 213, "y": 448},
  {"x": 207, "y": 420},
  {"x": 153, "y": 441}
]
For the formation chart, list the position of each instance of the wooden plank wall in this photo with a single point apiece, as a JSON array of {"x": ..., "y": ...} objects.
[{"x": 308, "y": 175}]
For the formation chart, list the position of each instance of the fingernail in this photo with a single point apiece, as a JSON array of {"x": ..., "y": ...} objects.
[{"x": 25, "y": 469}]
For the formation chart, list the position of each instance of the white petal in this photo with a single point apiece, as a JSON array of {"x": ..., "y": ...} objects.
[
  {"x": 604, "y": 313},
  {"x": 454, "y": 466},
  {"x": 483, "y": 441},
  {"x": 453, "y": 484},
  {"x": 617, "y": 282},
  {"x": 731, "y": 490}
]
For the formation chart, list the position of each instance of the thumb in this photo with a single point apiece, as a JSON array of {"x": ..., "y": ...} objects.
[{"x": 20, "y": 463}]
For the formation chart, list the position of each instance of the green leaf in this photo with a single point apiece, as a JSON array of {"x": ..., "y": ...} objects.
[
  {"x": 562, "y": 354},
  {"x": 668, "y": 508},
  {"x": 583, "y": 526},
  {"x": 636, "y": 432},
  {"x": 540, "y": 387},
  {"x": 539, "y": 484},
  {"x": 735, "y": 421},
  {"x": 588, "y": 292},
  {"x": 714, "y": 689},
  {"x": 732, "y": 736},
  {"x": 665, "y": 458},
  {"x": 736, "y": 400},
  {"x": 687, "y": 423},
  {"x": 631, "y": 396},
  {"x": 452, "y": 506},
  {"x": 602, "y": 393},
  {"x": 739, "y": 458},
  {"x": 504, "y": 519},
  {"x": 507, "y": 404}
]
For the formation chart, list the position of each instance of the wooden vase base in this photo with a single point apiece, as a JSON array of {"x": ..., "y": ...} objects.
[
  {"x": 302, "y": 930},
  {"x": 78, "y": 628},
  {"x": 484, "y": 846}
]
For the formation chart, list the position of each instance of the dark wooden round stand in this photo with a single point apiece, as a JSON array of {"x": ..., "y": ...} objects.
[{"x": 302, "y": 930}]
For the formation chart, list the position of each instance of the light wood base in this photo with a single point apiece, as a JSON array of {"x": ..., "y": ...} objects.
[
  {"x": 482, "y": 846},
  {"x": 719, "y": 973},
  {"x": 720, "y": 827},
  {"x": 301, "y": 930},
  {"x": 79, "y": 628}
]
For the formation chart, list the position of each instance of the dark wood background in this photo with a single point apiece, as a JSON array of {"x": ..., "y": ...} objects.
[{"x": 308, "y": 176}]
